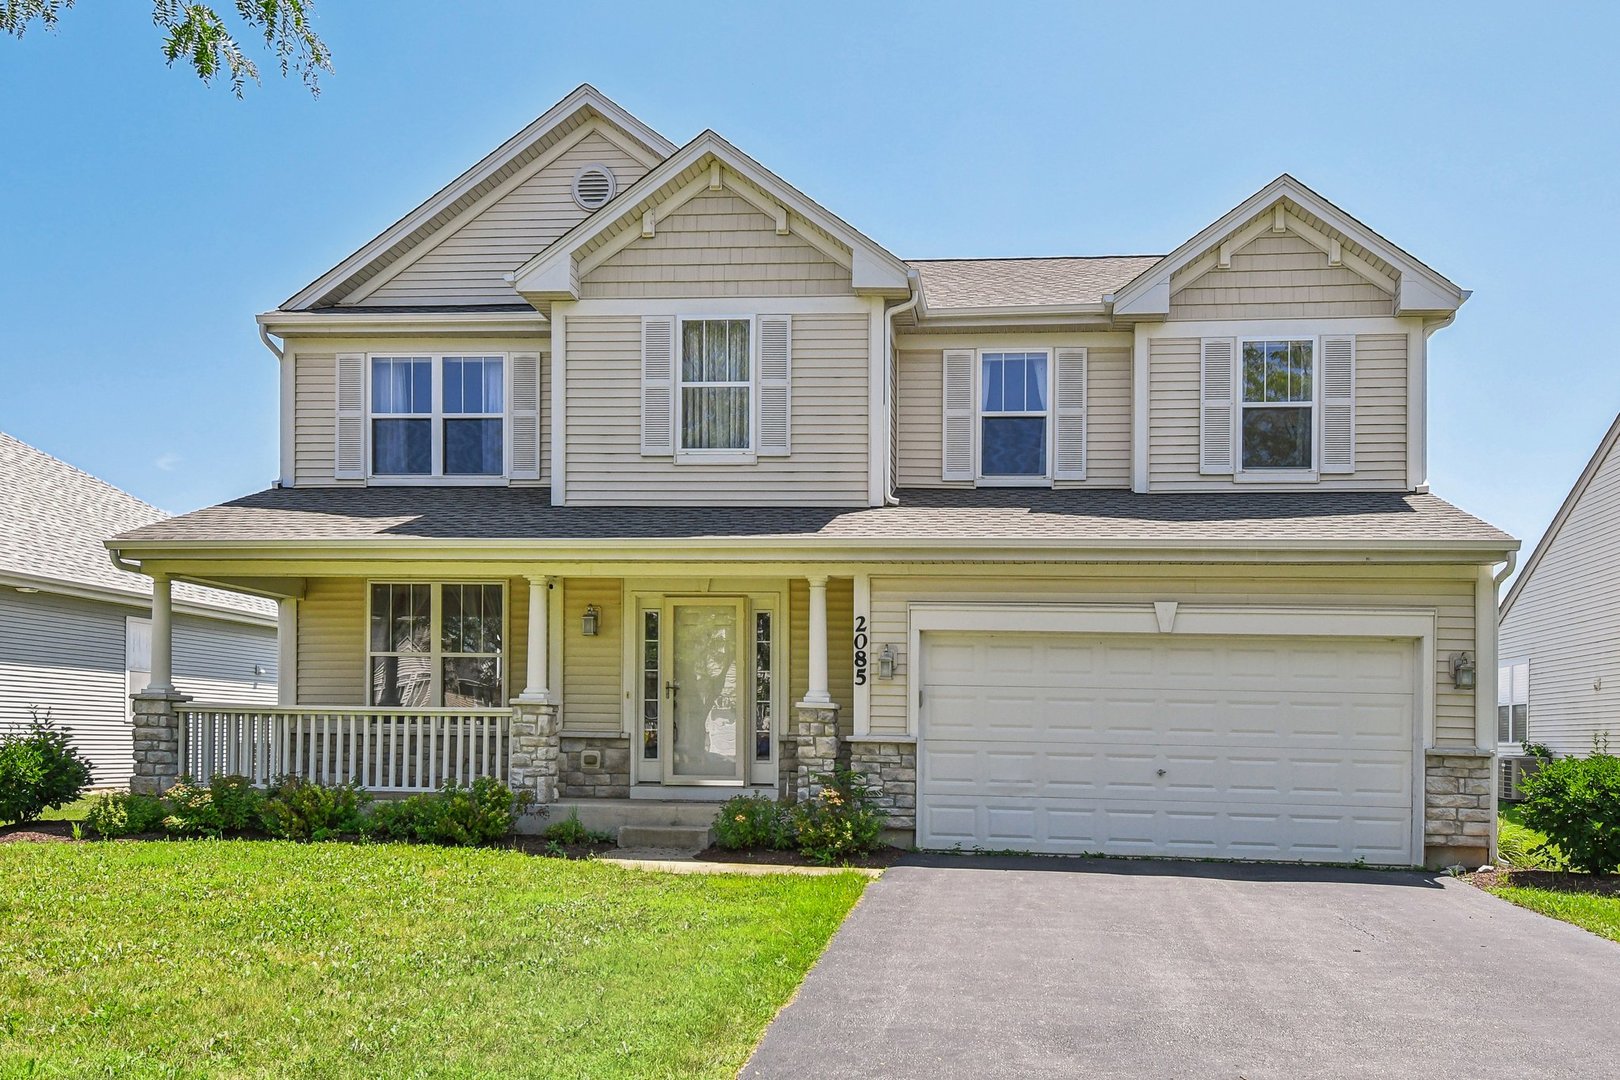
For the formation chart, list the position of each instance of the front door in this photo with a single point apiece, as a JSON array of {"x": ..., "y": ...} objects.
[{"x": 704, "y": 718}]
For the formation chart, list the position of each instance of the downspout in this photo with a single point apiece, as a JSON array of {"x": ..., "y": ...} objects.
[
  {"x": 914, "y": 283},
  {"x": 122, "y": 563},
  {"x": 1507, "y": 568},
  {"x": 264, "y": 336}
]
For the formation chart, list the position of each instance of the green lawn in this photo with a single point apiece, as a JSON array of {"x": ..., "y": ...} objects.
[
  {"x": 73, "y": 811},
  {"x": 266, "y": 959},
  {"x": 1599, "y": 914}
]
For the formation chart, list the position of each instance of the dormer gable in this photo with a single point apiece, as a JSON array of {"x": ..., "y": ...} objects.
[{"x": 1287, "y": 218}]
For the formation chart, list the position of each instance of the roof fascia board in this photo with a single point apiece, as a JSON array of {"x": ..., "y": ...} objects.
[
  {"x": 301, "y": 323},
  {"x": 878, "y": 271},
  {"x": 1149, "y": 292},
  {"x": 584, "y": 96},
  {"x": 1564, "y": 511},
  {"x": 136, "y": 598}
]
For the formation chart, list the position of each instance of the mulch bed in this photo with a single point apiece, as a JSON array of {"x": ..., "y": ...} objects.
[
  {"x": 38, "y": 832},
  {"x": 1552, "y": 880},
  {"x": 881, "y": 859}
]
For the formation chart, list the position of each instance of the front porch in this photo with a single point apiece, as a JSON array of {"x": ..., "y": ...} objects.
[{"x": 588, "y": 691}]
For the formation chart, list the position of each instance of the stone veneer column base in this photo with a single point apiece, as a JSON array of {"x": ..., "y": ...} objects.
[
  {"x": 818, "y": 746},
  {"x": 889, "y": 766},
  {"x": 532, "y": 764},
  {"x": 1459, "y": 815},
  {"x": 157, "y": 741}
]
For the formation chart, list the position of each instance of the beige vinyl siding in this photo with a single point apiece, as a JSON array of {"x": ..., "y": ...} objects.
[
  {"x": 1449, "y": 593},
  {"x": 314, "y": 425},
  {"x": 920, "y": 394},
  {"x": 1381, "y": 369},
  {"x": 1566, "y": 622},
  {"x": 1278, "y": 277},
  {"x": 469, "y": 265},
  {"x": 828, "y": 465},
  {"x": 840, "y": 643},
  {"x": 717, "y": 245},
  {"x": 332, "y": 642},
  {"x": 593, "y": 679}
]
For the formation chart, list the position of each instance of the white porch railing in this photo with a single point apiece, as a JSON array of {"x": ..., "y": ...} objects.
[{"x": 380, "y": 749}]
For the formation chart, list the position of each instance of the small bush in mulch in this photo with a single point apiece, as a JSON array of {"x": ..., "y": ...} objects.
[
  {"x": 878, "y": 858},
  {"x": 1575, "y": 803}
]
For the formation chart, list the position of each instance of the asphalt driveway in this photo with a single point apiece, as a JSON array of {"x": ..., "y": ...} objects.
[{"x": 1002, "y": 967}]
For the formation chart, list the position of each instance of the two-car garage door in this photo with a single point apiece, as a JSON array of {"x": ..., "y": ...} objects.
[{"x": 1144, "y": 744}]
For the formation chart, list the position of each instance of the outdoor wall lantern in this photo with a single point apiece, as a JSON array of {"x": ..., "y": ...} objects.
[
  {"x": 1462, "y": 671},
  {"x": 886, "y": 662},
  {"x": 591, "y": 620}
]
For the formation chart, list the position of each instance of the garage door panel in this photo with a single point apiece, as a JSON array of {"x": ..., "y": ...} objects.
[{"x": 1288, "y": 749}]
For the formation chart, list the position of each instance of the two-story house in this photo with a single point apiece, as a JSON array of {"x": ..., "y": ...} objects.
[{"x": 627, "y": 472}]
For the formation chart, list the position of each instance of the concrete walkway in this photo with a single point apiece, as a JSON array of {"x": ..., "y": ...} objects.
[{"x": 958, "y": 967}]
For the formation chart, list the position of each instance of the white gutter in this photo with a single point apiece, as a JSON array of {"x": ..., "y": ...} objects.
[
  {"x": 890, "y": 373},
  {"x": 264, "y": 336},
  {"x": 1507, "y": 568}
]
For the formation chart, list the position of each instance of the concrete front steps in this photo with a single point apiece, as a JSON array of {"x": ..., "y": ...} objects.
[{"x": 665, "y": 825}]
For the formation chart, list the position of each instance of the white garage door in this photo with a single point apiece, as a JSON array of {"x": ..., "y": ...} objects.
[{"x": 1225, "y": 747}]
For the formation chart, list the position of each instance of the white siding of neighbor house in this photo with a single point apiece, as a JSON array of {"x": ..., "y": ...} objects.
[
  {"x": 717, "y": 245},
  {"x": 470, "y": 264},
  {"x": 1381, "y": 366},
  {"x": 1278, "y": 277},
  {"x": 314, "y": 426},
  {"x": 828, "y": 463},
  {"x": 1449, "y": 593},
  {"x": 919, "y": 391},
  {"x": 66, "y": 655},
  {"x": 1566, "y": 622}
]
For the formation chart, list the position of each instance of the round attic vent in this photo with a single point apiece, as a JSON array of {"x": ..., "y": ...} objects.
[{"x": 594, "y": 186}]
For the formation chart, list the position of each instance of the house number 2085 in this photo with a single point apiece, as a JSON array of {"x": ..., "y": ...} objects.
[{"x": 860, "y": 650}]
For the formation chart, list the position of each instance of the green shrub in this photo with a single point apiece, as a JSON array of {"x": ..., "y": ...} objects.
[
  {"x": 457, "y": 815},
  {"x": 297, "y": 809},
  {"x": 124, "y": 814},
  {"x": 191, "y": 811},
  {"x": 1576, "y": 803},
  {"x": 39, "y": 770},
  {"x": 572, "y": 831},
  {"x": 753, "y": 821},
  {"x": 239, "y": 804},
  {"x": 1525, "y": 849},
  {"x": 838, "y": 821}
]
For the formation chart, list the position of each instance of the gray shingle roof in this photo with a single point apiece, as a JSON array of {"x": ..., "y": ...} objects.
[
  {"x": 53, "y": 519},
  {"x": 1071, "y": 516},
  {"x": 977, "y": 283}
]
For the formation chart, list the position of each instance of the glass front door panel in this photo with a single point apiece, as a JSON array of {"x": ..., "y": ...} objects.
[{"x": 706, "y": 693}]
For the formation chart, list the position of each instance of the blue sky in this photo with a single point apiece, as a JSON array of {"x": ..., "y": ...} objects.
[{"x": 147, "y": 218}]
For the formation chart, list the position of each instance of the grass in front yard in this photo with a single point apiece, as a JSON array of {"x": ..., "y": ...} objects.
[
  {"x": 73, "y": 811},
  {"x": 266, "y": 959},
  {"x": 1599, "y": 914}
]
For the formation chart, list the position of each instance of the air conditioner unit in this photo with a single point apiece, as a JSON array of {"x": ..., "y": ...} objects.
[{"x": 1514, "y": 771}]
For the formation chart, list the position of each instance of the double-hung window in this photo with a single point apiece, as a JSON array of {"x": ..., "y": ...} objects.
[
  {"x": 1513, "y": 703},
  {"x": 438, "y": 416},
  {"x": 1276, "y": 423},
  {"x": 716, "y": 386},
  {"x": 436, "y": 645},
  {"x": 1014, "y": 417}
]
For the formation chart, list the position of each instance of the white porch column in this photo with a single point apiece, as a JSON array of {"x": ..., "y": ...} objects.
[
  {"x": 539, "y": 645},
  {"x": 162, "y": 680},
  {"x": 287, "y": 651},
  {"x": 816, "y": 692}
]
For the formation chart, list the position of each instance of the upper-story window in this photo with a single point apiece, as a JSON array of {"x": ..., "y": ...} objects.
[
  {"x": 1013, "y": 416},
  {"x": 437, "y": 415},
  {"x": 1276, "y": 426},
  {"x": 716, "y": 386}
]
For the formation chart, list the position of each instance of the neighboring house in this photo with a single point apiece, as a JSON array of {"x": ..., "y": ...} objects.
[
  {"x": 626, "y": 471},
  {"x": 75, "y": 631},
  {"x": 1559, "y": 672}
]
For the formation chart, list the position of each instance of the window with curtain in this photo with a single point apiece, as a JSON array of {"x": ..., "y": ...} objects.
[
  {"x": 474, "y": 405},
  {"x": 1012, "y": 415},
  {"x": 716, "y": 385},
  {"x": 402, "y": 415},
  {"x": 438, "y": 416},
  {"x": 436, "y": 645}
]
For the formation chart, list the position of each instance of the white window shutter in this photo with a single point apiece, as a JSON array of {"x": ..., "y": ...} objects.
[
  {"x": 1217, "y": 405},
  {"x": 524, "y": 422},
  {"x": 1069, "y": 416},
  {"x": 1339, "y": 404},
  {"x": 957, "y": 428},
  {"x": 349, "y": 457},
  {"x": 775, "y": 334},
  {"x": 658, "y": 385}
]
